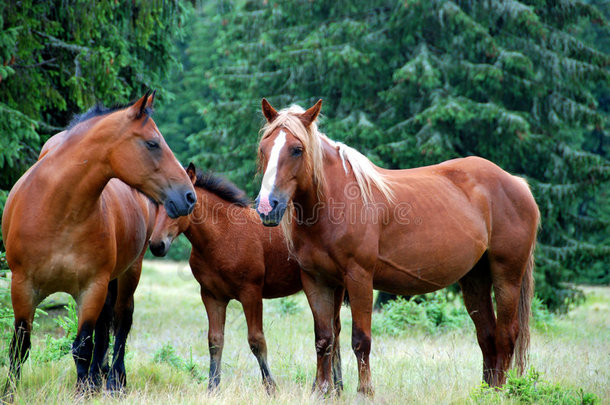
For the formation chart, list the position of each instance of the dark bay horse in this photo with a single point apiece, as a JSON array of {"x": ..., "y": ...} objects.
[
  {"x": 233, "y": 257},
  {"x": 412, "y": 231},
  {"x": 69, "y": 225}
]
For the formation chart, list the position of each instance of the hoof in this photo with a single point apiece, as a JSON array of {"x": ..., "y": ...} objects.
[
  {"x": 366, "y": 391},
  {"x": 116, "y": 383},
  {"x": 85, "y": 389},
  {"x": 270, "y": 386}
]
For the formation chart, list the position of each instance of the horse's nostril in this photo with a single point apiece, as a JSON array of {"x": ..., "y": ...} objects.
[
  {"x": 190, "y": 197},
  {"x": 273, "y": 202},
  {"x": 162, "y": 246}
]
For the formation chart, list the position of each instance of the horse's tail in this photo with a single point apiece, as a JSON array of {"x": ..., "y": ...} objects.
[{"x": 525, "y": 311}]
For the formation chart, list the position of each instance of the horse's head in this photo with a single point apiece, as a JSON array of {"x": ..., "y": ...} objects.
[
  {"x": 167, "y": 229},
  {"x": 140, "y": 157},
  {"x": 288, "y": 151}
]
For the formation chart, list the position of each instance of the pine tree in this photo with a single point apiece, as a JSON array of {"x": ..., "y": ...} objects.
[{"x": 415, "y": 82}]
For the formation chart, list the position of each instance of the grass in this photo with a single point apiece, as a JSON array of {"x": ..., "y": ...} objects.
[{"x": 167, "y": 358}]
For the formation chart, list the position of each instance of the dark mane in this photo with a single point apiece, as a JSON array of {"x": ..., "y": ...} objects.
[
  {"x": 98, "y": 110},
  {"x": 222, "y": 187}
]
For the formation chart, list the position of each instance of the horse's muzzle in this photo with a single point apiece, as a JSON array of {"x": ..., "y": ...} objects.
[
  {"x": 159, "y": 248},
  {"x": 273, "y": 217},
  {"x": 179, "y": 203}
]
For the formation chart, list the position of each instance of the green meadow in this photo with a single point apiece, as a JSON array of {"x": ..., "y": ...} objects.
[{"x": 167, "y": 358}]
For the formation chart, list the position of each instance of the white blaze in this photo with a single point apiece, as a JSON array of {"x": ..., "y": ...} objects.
[{"x": 269, "y": 177}]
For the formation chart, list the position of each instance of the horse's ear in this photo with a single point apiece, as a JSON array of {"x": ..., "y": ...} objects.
[
  {"x": 191, "y": 171},
  {"x": 269, "y": 112},
  {"x": 151, "y": 99},
  {"x": 311, "y": 114},
  {"x": 136, "y": 111}
]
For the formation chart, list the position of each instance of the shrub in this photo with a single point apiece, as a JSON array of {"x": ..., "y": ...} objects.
[
  {"x": 56, "y": 348},
  {"x": 288, "y": 306},
  {"x": 167, "y": 354},
  {"x": 541, "y": 315},
  {"x": 432, "y": 312},
  {"x": 530, "y": 388}
]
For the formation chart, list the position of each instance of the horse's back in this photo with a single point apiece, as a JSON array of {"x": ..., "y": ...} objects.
[{"x": 511, "y": 202}]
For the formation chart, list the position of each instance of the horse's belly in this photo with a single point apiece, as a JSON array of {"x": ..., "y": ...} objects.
[
  {"x": 424, "y": 270},
  {"x": 67, "y": 272}
]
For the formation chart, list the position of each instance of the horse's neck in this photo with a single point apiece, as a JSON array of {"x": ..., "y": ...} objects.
[
  {"x": 75, "y": 176},
  {"x": 313, "y": 199}
]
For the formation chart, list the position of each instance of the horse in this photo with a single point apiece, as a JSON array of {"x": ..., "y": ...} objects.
[
  {"x": 117, "y": 312},
  {"x": 234, "y": 257},
  {"x": 355, "y": 225},
  {"x": 70, "y": 225}
]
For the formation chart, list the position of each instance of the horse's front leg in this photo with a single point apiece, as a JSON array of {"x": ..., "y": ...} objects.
[
  {"x": 123, "y": 319},
  {"x": 90, "y": 304},
  {"x": 321, "y": 298},
  {"x": 217, "y": 313},
  {"x": 252, "y": 302},
  {"x": 24, "y": 306},
  {"x": 359, "y": 284}
]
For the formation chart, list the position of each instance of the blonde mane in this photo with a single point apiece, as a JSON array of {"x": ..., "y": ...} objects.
[{"x": 367, "y": 176}]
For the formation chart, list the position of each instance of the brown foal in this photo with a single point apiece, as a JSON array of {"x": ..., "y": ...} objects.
[{"x": 234, "y": 257}]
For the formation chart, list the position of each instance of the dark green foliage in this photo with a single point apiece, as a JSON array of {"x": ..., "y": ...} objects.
[
  {"x": 56, "y": 348},
  {"x": 288, "y": 306},
  {"x": 434, "y": 312},
  {"x": 410, "y": 83},
  {"x": 531, "y": 389}
]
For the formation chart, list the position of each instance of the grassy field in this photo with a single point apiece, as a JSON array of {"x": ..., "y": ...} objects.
[{"x": 418, "y": 367}]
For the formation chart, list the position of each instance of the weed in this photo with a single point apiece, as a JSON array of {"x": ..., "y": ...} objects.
[
  {"x": 529, "y": 389},
  {"x": 541, "y": 315},
  {"x": 288, "y": 306},
  {"x": 432, "y": 313},
  {"x": 167, "y": 354},
  {"x": 56, "y": 348}
]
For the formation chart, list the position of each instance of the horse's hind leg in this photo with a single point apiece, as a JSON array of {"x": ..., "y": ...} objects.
[
  {"x": 252, "y": 301},
  {"x": 507, "y": 277},
  {"x": 337, "y": 374},
  {"x": 99, "y": 363},
  {"x": 123, "y": 319},
  {"x": 476, "y": 290},
  {"x": 24, "y": 305},
  {"x": 216, "y": 311}
]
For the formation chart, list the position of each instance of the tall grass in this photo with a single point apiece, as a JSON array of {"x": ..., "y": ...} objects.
[{"x": 167, "y": 354}]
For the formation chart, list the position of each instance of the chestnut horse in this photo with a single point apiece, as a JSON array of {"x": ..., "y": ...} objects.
[
  {"x": 68, "y": 226},
  {"x": 412, "y": 231},
  {"x": 233, "y": 257}
]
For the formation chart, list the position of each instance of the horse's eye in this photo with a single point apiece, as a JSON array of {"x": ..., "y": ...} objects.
[
  {"x": 297, "y": 151},
  {"x": 152, "y": 145}
]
